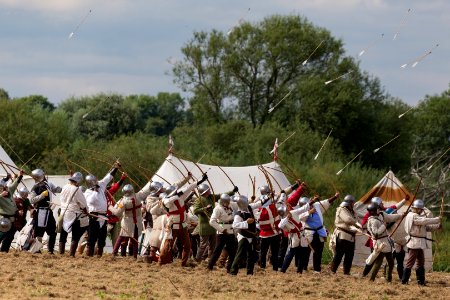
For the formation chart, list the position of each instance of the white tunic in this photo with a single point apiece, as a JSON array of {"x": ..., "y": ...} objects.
[
  {"x": 96, "y": 199},
  {"x": 417, "y": 227},
  {"x": 72, "y": 203},
  {"x": 222, "y": 219},
  {"x": 376, "y": 225}
]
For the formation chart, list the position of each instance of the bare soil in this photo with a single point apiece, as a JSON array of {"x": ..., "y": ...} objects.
[{"x": 44, "y": 276}]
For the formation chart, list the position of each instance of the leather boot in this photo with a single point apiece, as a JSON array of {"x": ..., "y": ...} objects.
[
  {"x": 420, "y": 275},
  {"x": 73, "y": 248},
  {"x": 62, "y": 248},
  {"x": 89, "y": 251},
  {"x": 99, "y": 252},
  {"x": 81, "y": 247},
  {"x": 333, "y": 267},
  {"x": 406, "y": 275},
  {"x": 366, "y": 270},
  {"x": 123, "y": 250},
  {"x": 51, "y": 244}
]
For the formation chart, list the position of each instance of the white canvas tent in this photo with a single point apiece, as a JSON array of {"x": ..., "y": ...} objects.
[
  {"x": 392, "y": 191},
  {"x": 175, "y": 169}
]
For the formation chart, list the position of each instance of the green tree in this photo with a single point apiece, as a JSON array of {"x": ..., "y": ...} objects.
[
  {"x": 102, "y": 116},
  {"x": 158, "y": 115},
  {"x": 203, "y": 73},
  {"x": 3, "y": 94},
  {"x": 37, "y": 100}
]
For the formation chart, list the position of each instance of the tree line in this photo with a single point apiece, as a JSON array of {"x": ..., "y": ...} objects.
[{"x": 258, "y": 82}]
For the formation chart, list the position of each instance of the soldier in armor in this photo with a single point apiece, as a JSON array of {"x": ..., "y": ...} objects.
[
  {"x": 222, "y": 220},
  {"x": 97, "y": 207},
  {"x": 203, "y": 208},
  {"x": 155, "y": 207},
  {"x": 416, "y": 227},
  {"x": 291, "y": 223},
  {"x": 40, "y": 196},
  {"x": 377, "y": 228},
  {"x": 343, "y": 239},
  {"x": 8, "y": 212},
  {"x": 74, "y": 213},
  {"x": 131, "y": 225},
  {"x": 269, "y": 231},
  {"x": 314, "y": 230},
  {"x": 244, "y": 224},
  {"x": 177, "y": 226}
]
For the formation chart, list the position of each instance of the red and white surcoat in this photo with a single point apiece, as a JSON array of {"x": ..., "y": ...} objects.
[
  {"x": 268, "y": 221},
  {"x": 176, "y": 208}
]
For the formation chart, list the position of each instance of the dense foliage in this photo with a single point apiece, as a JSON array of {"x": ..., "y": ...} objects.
[{"x": 234, "y": 80}]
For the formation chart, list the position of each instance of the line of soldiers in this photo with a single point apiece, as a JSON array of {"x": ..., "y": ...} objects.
[{"x": 184, "y": 220}]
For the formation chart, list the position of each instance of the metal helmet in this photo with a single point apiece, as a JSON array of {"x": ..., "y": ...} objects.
[
  {"x": 127, "y": 190},
  {"x": 91, "y": 180},
  {"x": 377, "y": 200},
  {"x": 282, "y": 198},
  {"x": 373, "y": 207},
  {"x": 77, "y": 177},
  {"x": 203, "y": 188},
  {"x": 38, "y": 175},
  {"x": 155, "y": 187},
  {"x": 282, "y": 210},
  {"x": 5, "y": 224},
  {"x": 344, "y": 204},
  {"x": 170, "y": 190},
  {"x": 225, "y": 200},
  {"x": 418, "y": 203},
  {"x": 264, "y": 190},
  {"x": 23, "y": 192},
  {"x": 349, "y": 199},
  {"x": 302, "y": 201},
  {"x": 242, "y": 202}
]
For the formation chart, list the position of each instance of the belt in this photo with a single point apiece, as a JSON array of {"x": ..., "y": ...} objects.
[
  {"x": 227, "y": 223},
  {"x": 346, "y": 231},
  {"x": 98, "y": 213},
  {"x": 419, "y": 237},
  {"x": 315, "y": 229}
]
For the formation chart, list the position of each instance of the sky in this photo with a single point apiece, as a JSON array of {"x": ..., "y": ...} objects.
[{"x": 126, "y": 46}]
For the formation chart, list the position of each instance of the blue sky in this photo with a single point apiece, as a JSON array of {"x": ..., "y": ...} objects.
[{"x": 126, "y": 46}]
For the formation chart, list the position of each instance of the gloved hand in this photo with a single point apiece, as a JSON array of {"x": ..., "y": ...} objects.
[
  {"x": 236, "y": 189},
  {"x": 204, "y": 178},
  {"x": 295, "y": 186},
  {"x": 44, "y": 193}
]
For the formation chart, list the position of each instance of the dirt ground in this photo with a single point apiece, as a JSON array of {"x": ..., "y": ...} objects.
[{"x": 43, "y": 276}]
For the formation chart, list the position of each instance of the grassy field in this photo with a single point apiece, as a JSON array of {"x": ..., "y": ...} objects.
[{"x": 43, "y": 276}]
